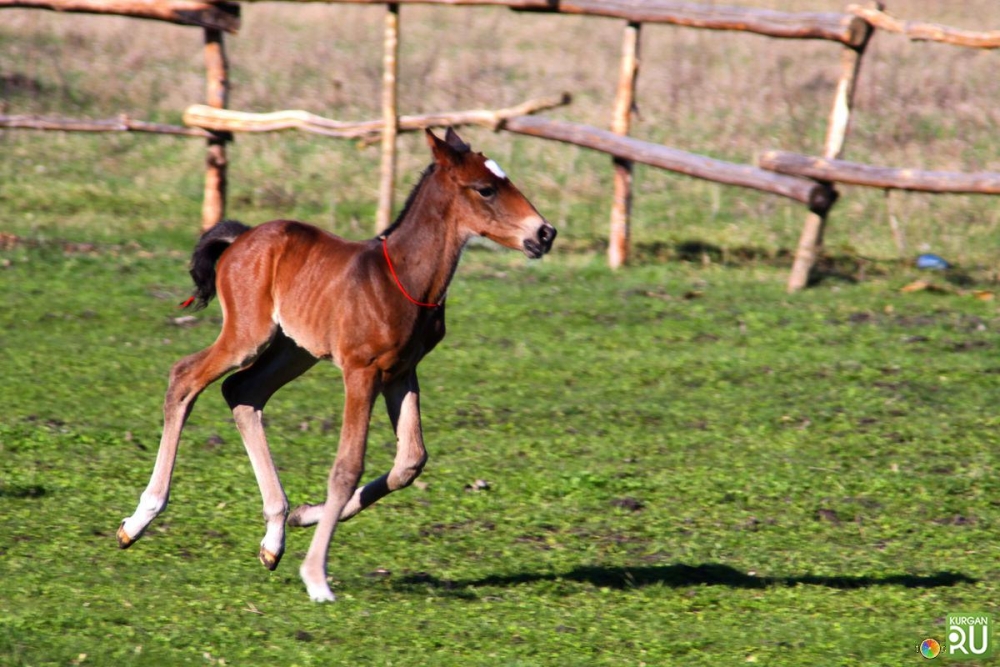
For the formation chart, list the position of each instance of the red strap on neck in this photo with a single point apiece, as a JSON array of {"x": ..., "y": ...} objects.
[{"x": 392, "y": 270}]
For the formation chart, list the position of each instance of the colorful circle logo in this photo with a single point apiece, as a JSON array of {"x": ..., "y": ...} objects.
[{"x": 930, "y": 648}]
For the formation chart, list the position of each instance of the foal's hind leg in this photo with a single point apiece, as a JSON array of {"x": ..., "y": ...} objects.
[
  {"x": 402, "y": 401},
  {"x": 236, "y": 345},
  {"x": 247, "y": 392}
]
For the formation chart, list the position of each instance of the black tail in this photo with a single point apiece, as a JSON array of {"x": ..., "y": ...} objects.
[{"x": 206, "y": 254}]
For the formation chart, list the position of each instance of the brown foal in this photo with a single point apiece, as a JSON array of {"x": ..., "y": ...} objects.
[{"x": 292, "y": 294}]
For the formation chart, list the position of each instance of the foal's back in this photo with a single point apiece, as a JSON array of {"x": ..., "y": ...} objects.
[
  {"x": 298, "y": 277},
  {"x": 329, "y": 295}
]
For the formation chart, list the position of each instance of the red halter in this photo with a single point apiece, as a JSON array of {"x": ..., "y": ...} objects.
[{"x": 392, "y": 269}]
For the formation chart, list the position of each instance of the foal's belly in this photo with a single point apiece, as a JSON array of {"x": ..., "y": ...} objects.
[
  {"x": 314, "y": 341},
  {"x": 392, "y": 356}
]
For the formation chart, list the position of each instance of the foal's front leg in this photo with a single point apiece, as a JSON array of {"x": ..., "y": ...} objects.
[
  {"x": 402, "y": 402},
  {"x": 360, "y": 389}
]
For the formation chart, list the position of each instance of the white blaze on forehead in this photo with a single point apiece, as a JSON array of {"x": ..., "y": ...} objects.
[{"x": 495, "y": 168}]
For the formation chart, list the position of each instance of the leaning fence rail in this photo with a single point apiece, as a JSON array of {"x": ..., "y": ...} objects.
[
  {"x": 921, "y": 31},
  {"x": 815, "y": 195},
  {"x": 884, "y": 178},
  {"x": 806, "y": 179},
  {"x": 202, "y": 116}
]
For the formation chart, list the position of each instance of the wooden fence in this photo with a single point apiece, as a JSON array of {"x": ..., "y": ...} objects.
[{"x": 806, "y": 179}]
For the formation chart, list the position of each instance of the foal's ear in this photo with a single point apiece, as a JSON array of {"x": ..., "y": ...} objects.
[
  {"x": 448, "y": 151},
  {"x": 452, "y": 139}
]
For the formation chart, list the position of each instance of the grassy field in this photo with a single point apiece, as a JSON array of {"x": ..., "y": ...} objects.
[{"x": 682, "y": 463}]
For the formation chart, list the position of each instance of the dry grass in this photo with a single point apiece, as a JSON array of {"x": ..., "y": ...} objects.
[{"x": 728, "y": 95}]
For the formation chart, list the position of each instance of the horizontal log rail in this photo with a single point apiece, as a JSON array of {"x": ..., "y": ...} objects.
[
  {"x": 806, "y": 179},
  {"x": 921, "y": 31},
  {"x": 845, "y": 28},
  {"x": 215, "y": 15},
  {"x": 817, "y": 196},
  {"x": 120, "y": 124},
  {"x": 202, "y": 116},
  {"x": 889, "y": 178}
]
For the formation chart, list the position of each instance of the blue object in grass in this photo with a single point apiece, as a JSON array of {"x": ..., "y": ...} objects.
[{"x": 931, "y": 261}]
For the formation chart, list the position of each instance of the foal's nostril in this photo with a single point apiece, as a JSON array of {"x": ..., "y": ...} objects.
[{"x": 546, "y": 234}]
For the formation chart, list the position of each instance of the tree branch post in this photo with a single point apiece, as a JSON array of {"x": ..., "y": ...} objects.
[
  {"x": 213, "y": 207},
  {"x": 621, "y": 207},
  {"x": 390, "y": 119},
  {"x": 811, "y": 239}
]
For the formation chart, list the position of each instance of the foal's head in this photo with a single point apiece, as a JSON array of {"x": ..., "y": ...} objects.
[{"x": 488, "y": 204}]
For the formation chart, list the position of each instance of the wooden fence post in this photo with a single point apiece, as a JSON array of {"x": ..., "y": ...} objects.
[
  {"x": 621, "y": 207},
  {"x": 213, "y": 206},
  {"x": 390, "y": 119},
  {"x": 897, "y": 231},
  {"x": 811, "y": 239}
]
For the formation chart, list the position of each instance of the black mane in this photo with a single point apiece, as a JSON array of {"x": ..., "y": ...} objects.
[{"x": 409, "y": 200}]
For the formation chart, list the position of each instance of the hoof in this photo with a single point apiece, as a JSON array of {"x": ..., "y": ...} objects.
[
  {"x": 321, "y": 594},
  {"x": 316, "y": 586},
  {"x": 124, "y": 541},
  {"x": 268, "y": 559}
]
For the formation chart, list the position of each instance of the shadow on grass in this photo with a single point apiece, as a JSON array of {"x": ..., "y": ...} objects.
[
  {"x": 679, "y": 576},
  {"x": 18, "y": 491}
]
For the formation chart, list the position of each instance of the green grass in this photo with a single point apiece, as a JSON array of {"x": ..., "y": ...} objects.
[{"x": 684, "y": 464}]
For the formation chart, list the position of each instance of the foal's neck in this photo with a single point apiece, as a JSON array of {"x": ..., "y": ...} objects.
[{"x": 426, "y": 243}]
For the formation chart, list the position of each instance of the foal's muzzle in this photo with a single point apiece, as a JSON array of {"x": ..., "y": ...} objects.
[{"x": 542, "y": 243}]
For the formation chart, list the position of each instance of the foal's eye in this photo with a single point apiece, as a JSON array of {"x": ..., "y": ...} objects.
[{"x": 486, "y": 191}]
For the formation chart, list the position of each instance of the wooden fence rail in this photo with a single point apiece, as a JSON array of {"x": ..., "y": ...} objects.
[
  {"x": 203, "y": 121},
  {"x": 119, "y": 124},
  {"x": 918, "y": 30},
  {"x": 844, "y": 28},
  {"x": 817, "y": 196},
  {"x": 837, "y": 27},
  {"x": 223, "y": 16},
  {"x": 801, "y": 178},
  {"x": 205, "y": 117},
  {"x": 886, "y": 178}
]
